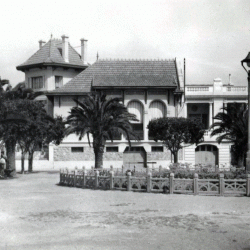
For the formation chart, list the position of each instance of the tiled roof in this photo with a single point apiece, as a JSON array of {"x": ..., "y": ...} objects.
[
  {"x": 51, "y": 53},
  {"x": 124, "y": 73}
]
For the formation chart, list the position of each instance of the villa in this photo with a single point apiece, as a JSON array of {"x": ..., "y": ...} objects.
[{"x": 148, "y": 88}]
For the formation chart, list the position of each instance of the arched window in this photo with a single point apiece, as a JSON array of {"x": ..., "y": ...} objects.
[
  {"x": 136, "y": 108},
  {"x": 157, "y": 109}
]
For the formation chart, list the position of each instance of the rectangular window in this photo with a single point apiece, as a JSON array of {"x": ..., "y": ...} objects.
[
  {"x": 58, "y": 82},
  {"x": 156, "y": 149},
  {"x": 111, "y": 149},
  {"x": 77, "y": 150},
  {"x": 138, "y": 128},
  {"x": 37, "y": 82}
]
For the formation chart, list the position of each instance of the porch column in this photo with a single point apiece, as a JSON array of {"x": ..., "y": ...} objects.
[
  {"x": 145, "y": 124},
  {"x": 210, "y": 113}
]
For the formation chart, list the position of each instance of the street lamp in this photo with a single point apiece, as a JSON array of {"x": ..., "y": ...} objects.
[{"x": 246, "y": 65}]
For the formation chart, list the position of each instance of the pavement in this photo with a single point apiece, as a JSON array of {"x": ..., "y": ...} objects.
[{"x": 36, "y": 213}]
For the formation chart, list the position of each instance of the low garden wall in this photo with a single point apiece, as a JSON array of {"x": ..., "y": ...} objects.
[{"x": 147, "y": 183}]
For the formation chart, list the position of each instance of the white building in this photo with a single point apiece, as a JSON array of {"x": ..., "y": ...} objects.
[
  {"x": 205, "y": 101},
  {"x": 149, "y": 88}
]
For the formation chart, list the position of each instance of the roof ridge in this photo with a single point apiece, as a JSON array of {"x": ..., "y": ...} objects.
[{"x": 132, "y": 59}]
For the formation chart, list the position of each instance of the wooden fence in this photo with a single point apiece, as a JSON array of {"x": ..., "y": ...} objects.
[{"x": 171, "y": 185}]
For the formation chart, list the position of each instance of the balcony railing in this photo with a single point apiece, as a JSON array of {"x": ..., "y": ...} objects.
[
  {"x": 236, "y": 88},
  {"x": 197, "y": 89}
]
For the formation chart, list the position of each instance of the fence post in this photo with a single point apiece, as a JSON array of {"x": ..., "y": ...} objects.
[
  {"x": 221, "y": 184},
  {"x": 196, "y": 184},
  {"x": 160, "y": 169},
  {"x": 129, "y": 181},
  {"x": 248, "y": 184},
  {"x": 216, "y": 169},
  {"x": 111, "y": 168},
  {"x": 83, "y": 178},
  {"x": 149, "y": 182},
  {"x": 96, "y": 179},
  {"x": 111, "y": 180},
  {"x": 171, "y": 183},
  {"x": 67, "y": 176},
  {"x": 74, "y": 178},
  {"x": 60, "y": 181}
]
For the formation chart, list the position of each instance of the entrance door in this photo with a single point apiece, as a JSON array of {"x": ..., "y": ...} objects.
[
  {"x": 206, "y": 154},
  {"x": 134, "y": 157}
]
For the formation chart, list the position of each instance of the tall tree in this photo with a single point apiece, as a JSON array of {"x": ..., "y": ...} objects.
[
  {"x": 101, "y": 118},
  {"x": 11, "y": 103},
  {"x": 41, "y": 129},
  {"x": 231, "y": 125},
  {"x": 174, "y": 132}
]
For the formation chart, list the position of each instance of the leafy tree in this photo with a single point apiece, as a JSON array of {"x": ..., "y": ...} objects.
[
  {"x": 41, "y": 129},
  {"x": 231, "y": 125},
  {"x": 101, "y": 118},
  {"x": 11, "y": 105},
  {"x": 174, "y": 132}
]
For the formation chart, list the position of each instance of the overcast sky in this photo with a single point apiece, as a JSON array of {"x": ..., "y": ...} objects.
[{"x": 213, "y": 35}]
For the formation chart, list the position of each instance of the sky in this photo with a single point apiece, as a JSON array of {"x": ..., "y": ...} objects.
[{"x": 212, "y": 35}]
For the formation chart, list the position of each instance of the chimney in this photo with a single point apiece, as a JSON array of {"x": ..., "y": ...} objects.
[
  {"x": 41, "y": 42},
  {"x": 65, "y": 48},
  {"x": 83, "y": 50}
]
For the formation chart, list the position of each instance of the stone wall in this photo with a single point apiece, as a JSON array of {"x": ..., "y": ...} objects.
[
  {"x": 65, "y": 154},
  {"x": 113, "y": 156},
  {"x": 159, "y": 156}
]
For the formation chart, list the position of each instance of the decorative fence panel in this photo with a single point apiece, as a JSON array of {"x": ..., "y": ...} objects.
[
  {"x": 139, "y": 183},
  {"x": 160, "y": 185},
  {"x": 148, "y": 184},
  {"x": 209, "y": 186},
  {"x": 120, "y": 182},
  {"x": 238, "y": 186},
  {"x": 183, "y": 186}
]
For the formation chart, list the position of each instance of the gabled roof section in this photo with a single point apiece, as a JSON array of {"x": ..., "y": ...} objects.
[
  {"x": 51, "y": 54},
  {"x": 124, "y": 74}
]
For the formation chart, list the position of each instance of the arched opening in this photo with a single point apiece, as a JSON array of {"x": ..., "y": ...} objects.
[
  {"x": 136, "y": 108},
  {"x": 157, "y": 109},
  {"x": 206, "y": 154},
  {"x": 134, "y": 157}
]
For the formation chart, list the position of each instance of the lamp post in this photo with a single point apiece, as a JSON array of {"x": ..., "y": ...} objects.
[{"x": 246, "y": 65}]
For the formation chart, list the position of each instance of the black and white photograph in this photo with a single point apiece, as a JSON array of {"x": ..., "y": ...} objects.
[{"x": 124, "y": 125}]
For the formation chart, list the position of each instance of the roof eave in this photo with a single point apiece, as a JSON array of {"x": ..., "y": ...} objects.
[
  {"x": 44, "y": 64},
  {"x": 66, "y": 93},
  {"x": 134, "y": 87}
]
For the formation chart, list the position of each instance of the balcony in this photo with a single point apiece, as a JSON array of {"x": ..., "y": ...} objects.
[{"x": 210, "y": 90}]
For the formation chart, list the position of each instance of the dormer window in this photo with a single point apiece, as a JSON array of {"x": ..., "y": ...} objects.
[{"x": 58, "y": 82}]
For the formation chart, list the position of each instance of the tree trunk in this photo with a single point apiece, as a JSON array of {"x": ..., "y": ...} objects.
[
  {"x": 30, "y": 161},
  {"x": 175, "y": 157},
  {"x": 22, "y": 162},
  {"x": 11, "y": 156},
  {"x": 99, "y": 157}
]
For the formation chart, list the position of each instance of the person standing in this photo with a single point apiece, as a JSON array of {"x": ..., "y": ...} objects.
[{"x": 3, "y": 159}]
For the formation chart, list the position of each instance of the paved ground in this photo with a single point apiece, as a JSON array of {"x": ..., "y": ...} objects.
[{"x": 35, "y": 213}]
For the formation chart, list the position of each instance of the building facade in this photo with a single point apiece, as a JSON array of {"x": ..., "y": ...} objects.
[
  {"x": 204, "y": 102},
  {"x": 148, "y": 88}
]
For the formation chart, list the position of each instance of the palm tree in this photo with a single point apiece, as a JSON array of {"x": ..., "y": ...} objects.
[
  {"x": 103, "y": 119},
  {"x": 232, "y": 126}
]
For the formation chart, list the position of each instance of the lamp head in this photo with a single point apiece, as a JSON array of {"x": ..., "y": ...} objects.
[{"x": 246, "y": 62}]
